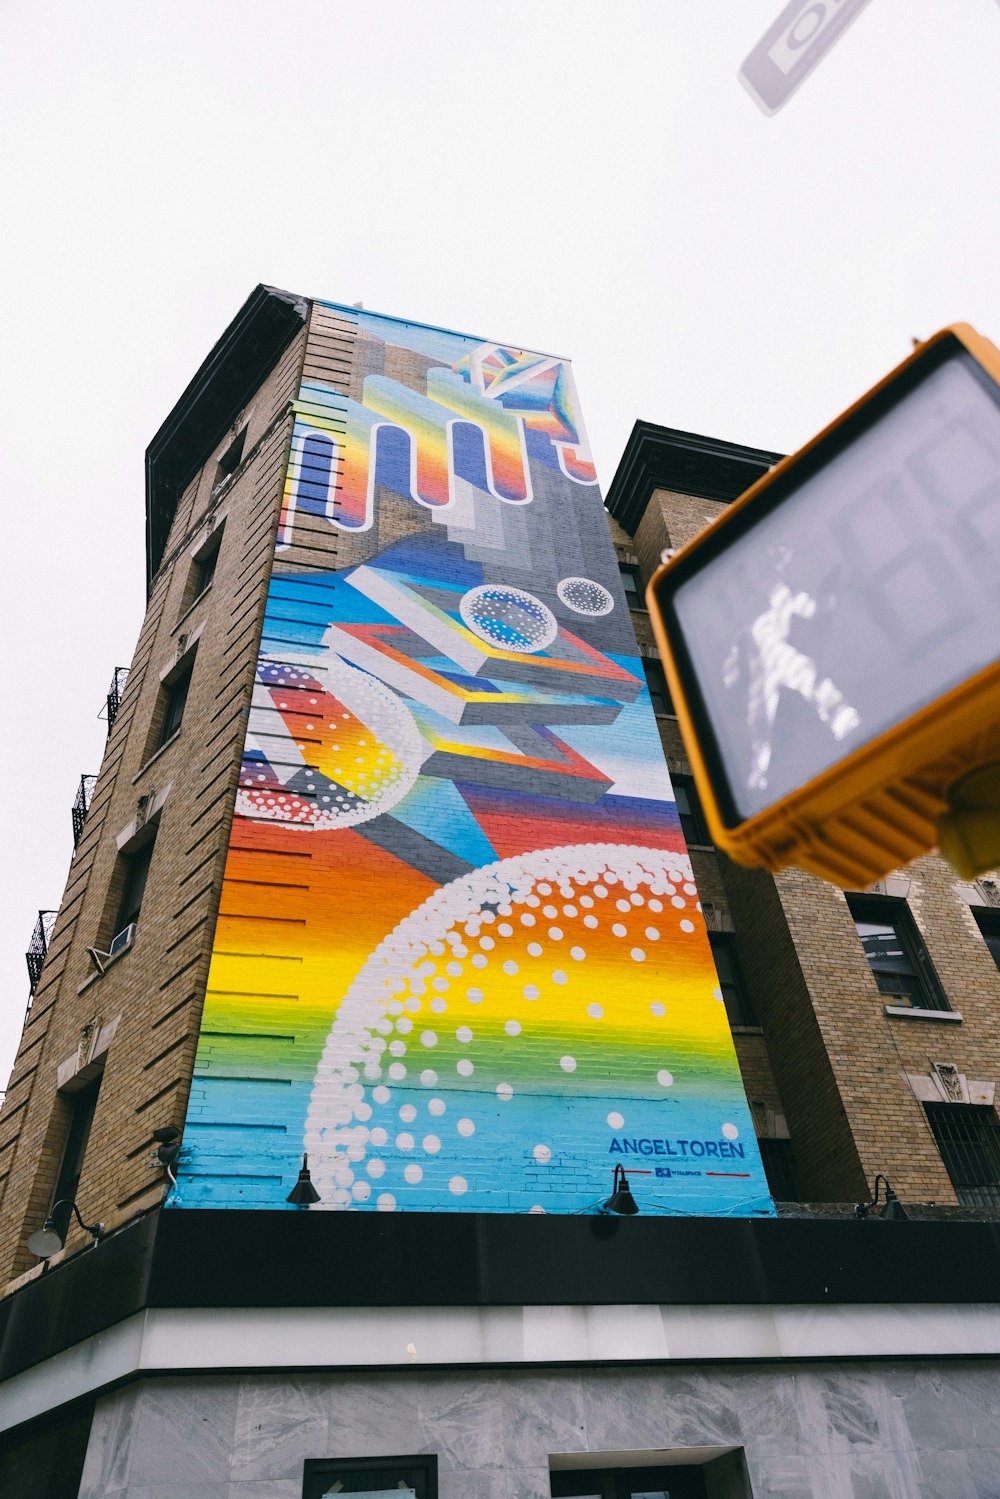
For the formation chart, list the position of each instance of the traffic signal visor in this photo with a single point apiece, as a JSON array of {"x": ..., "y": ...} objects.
[{"x": 832, "y": 641}]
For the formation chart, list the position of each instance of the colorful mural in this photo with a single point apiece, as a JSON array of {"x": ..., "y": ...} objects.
[{"x": 460, "y": 959}]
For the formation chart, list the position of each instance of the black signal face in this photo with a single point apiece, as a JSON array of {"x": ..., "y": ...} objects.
[{"x": 862, "y": 585}]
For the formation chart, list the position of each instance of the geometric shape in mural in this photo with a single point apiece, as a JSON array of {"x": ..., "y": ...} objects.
[
  {"x": 509, "y": 618},
  {"x": 584, "y": 596}
]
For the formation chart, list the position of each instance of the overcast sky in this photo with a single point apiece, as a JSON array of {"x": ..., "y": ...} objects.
[{"x": 583, "y": 177}]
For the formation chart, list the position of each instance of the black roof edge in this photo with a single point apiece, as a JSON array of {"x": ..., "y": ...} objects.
[
  {"x": 658, "y": 457},
  {"x": 243, "y": 357}
]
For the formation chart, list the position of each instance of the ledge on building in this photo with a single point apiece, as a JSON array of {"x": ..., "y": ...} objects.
[
  {"x": 915, "y": 1012},
  {"x": 658, "y": 457}
]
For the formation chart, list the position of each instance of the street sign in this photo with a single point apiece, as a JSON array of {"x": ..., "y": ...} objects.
[{"x": 832, "y": 641}]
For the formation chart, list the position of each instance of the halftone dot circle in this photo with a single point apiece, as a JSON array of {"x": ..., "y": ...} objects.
[
  {"x": 509, "y": 618},
  {"x": 577, "y": 954},
  {"x": 437, "y": 1107},
  {"x": 474, "y": 996},
  {"x": 466, "y": 1127},
  {"x": 381, "y": 1094},
  {"x": 386, "y": 1203},
  {"x": 535, "y": 949},
  {"x": 378, "y": 1135},
  {"x": 637, "y": 955},
  {"x": 616, "y": 1120},
  {"x": 585, "y": 596},
  {"x": 463, "y": 1034},
  {"x": 375, "y": 1168},
  {"x": 531, "y": 991},
  {"x": 504, "y": 1092},
  {"x": 619, "y": 929},
  {"x": 408, "y": 1113},
  {"x": 657, "y": 1008},
  {"x": 652, "y": 934},
  {"x": 568, "y": 1064},
  {"x": 595, "y": 1011},
  {"x": 361, "y": 1191},
  {"x": 542, "y": 1154},
  {"x": 559, "y": 977},
  {"x": 590, "y": 921},
  {"x": 678, "y": 901},
  {"x": 687, "y": 926},
  {"x": 458, "y": 1186},
  {"x": 428, "y": 1077},
  {"x": 537, "y": 1208},
  {"x": 404, "y": 1141},
  {"x": 428, "y": 1038},
  {"x": 730, "y": 1131},
  {"x": 665, "y": 1078},
  {"x": 431, "y": 1144},
  {"x": 397, "y": 1072},
  {"x": 413, "y": 1173},
  {"x": 479, "y": 960},
  {"x": 464, "y": 1068},
  {"x": 512, "y": 1027},
  {"x": 438, "y": 1006}
]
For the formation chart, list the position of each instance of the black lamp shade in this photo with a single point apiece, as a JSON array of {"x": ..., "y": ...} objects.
[{"x": 303, "y": 1194}]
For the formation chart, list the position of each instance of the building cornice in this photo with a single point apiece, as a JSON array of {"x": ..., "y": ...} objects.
[
  {"x": 241, "y": 360},
  {"x": 658, "y": 457}
]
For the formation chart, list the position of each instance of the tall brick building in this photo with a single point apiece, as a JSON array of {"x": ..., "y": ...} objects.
[{"x": 286, "y": 889}]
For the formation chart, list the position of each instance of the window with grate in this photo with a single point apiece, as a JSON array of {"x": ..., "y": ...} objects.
[
  {"x": 693, "y": 824},
  {"x": 656, "y": 681},
  {"x": 896, "y": 955},
  {"x": 988, "y": 921},
  {"x": 968, "y": 1137},
  {"x": 779, "y": 1168},
  {"x": 203, "y": 568},
  {"x": 632, "y": 584},
  {"x": 731, "y": 981},
  {"x": 230, "y": 459},
  {"x": 174, "y": 701},
  {"x": 375, "y": 1477}
]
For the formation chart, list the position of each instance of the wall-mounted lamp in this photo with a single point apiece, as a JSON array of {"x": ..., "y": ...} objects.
[
  {"x": 168, "y": 1149},
  {"x": 303, "y": 1194},
  {"x": 47, "y": 1240},
  {"x": 621, "y": 1199},
  {"x": 890, "y": 1211}
]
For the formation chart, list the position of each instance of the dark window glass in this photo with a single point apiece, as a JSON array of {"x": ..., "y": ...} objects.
[
  {"x": 731, "y": 982},
  {"x": 175, "y": 697},
  {"x": 204, "y": 567},
  {"x": 682, "y": 1482},
  {"x": 632, "y": 585},
  {"x": 895, "y": 953},
  {"x": 82, "y": 1106},
  {"x": 231, "y": 458},
  {"x": 693, "y": 824},
  {"x": 988, "y": 920},
  {"x": 398, "y": 1477},
  {"x": 659, "y": 693},
  {"x": 968, "y": 1137},
  {"x": 779, "y": 1168},
  {"x": 45, "y": 1460},
  {"x": 136, "y": 870}
]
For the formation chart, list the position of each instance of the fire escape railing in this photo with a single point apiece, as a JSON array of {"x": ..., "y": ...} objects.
[
  {"x": 81, "y": 805},
  {"x": 39, "y": 945},
  {"x": 114, "y": 697}
]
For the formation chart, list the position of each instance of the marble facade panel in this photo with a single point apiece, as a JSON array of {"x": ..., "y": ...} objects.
[{"x": 279, "y": 1421}]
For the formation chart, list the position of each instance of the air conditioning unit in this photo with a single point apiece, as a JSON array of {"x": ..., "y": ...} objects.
[{"x": 122, "y": 940}]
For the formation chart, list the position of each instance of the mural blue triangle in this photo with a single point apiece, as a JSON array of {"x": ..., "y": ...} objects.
[{"x": 437, "y": 809}]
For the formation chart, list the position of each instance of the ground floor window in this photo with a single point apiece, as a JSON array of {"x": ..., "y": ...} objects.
[
  {"x": 629, "y": 1483},
  {"x": 968, "y": 1137},
  {"x": 375, "y": 1477}
]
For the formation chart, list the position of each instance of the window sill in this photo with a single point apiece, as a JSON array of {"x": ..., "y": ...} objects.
[
  {"x": 747, "y": 1030},
  {"x": 109, "y": 963},
  {"x": 192, "y": 606},
  {"x": 156, "y": 755},
  {"x": 912, "y": 1012}
]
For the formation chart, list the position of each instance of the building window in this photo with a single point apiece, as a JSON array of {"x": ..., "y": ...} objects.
[
  {"x": 203, "y": 570},
  {"x": 734, "y": 990},
  {"x": 632, "y": 584},
  {"x": 656, "y": 681},
  {"x": 173, "y": 700},
  {"x": 378, "y": 1477},
  {"x": 231, "y": 458},
  {"x": 134, "y": 887},
  {"x": 988, "y": 921},
  {"x": 896, "y": 955},
  {"x": 779, "y": 1168},
  {"x": 684, "y": 1481},
  {"x": 968, "y": 1137},
  {"x": 82, "y": 1106},
  {"x": 693, "y": 824}
]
